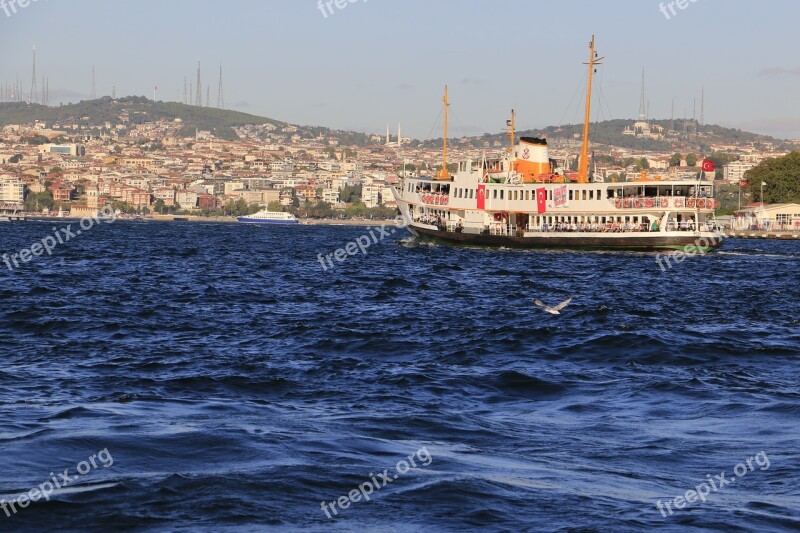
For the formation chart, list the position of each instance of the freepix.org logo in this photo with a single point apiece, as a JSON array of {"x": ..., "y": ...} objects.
[
  {"x": 9, "y": 7},
  {"x": 668, "y": 8}
]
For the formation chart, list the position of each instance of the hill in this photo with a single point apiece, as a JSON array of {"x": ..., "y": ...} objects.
[
  {"x": 95, "y": 114},
  {"x": 609, "y": 133},
  {"x": 136, "y": 109}
]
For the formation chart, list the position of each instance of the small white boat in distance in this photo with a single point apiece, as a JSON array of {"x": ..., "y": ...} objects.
[{"x": 269, "y": 217}]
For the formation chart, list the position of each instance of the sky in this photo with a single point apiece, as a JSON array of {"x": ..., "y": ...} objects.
[{"x": 375, "y": 62}]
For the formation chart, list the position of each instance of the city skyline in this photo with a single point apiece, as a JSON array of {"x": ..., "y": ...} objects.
[{"x": 369, "y": 63}]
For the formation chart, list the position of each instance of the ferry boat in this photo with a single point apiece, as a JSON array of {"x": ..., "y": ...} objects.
[
  {"x": 10, "y": 213},
  {"x": 520, "y": 199},
  {"x": 269, "y": 217}
]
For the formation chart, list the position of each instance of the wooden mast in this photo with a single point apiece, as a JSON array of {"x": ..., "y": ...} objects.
[
  {"x": 512, "y": 130},
  {"x": 444, "y": 174},
  {"x": 583, "y": 169}
]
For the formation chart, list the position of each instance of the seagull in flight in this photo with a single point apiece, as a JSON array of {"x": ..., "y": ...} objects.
[{"x": 555, "y": 310}]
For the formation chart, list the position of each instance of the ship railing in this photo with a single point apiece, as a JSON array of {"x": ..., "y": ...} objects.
[
  {"x": 589, "y": 227},
  {"x": 502, "y": 229},
  {"x": 690, "y": 226},
  {"x": 649, "y": 202},
  {"x": 434, "y": 198}
]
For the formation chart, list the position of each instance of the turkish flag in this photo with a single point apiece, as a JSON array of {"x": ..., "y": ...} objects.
[
  {"x": 708, "y": 165},
  {"x": 481, "y": 196},
  {"x": 541, "y": 200}
]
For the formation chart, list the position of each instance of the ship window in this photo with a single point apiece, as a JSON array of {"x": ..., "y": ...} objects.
[
  {"x": 501, "y": 193},
  {"x": 549, "y": 195},
  {"x": 570, "y": 195},
  {"x": 527, "y": 195},
  {"x": 599, "y": 194},
  {"x": 583, "y": 195},
  {"x": 591, "y": 195}
]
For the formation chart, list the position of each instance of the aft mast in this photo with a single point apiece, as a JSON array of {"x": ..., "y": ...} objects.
[
  {"x": 444, "y": 174},
  {"x": 583, "y": 169}
]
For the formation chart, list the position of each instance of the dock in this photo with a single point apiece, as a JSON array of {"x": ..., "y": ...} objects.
[{"x": 763, "y": 234}]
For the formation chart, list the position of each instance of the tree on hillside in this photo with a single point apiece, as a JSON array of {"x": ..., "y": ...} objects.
[
  {"x": 675, "y": 160},
  {"x": 782, "y": 178},
  {"x": 691, "y": 160},
  {"x": 350, "y": 195},
  {"x": 35, "y": 202}
]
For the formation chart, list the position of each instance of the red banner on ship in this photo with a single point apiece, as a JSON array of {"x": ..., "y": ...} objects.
[
  {"x": 481, "y": 196},
  {"x": 541, "y": 200},
  {"x": 708, "y": 166}
]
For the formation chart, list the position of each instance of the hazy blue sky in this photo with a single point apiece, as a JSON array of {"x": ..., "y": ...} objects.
[{"x": 380, "y": 61}]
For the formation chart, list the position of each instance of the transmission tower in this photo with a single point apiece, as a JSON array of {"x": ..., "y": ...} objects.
[
  {"x": 198, "y": 99},
  {"x": 220, "y": 97},
  {"x": 34, "y": 98}
]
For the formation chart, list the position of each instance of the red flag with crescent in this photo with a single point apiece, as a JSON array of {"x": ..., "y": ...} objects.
[
  {"x": 541, "y": 200},
  {"x": 708, "y": 165}
]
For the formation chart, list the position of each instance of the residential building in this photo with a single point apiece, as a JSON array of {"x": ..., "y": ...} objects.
[{"x": 12, "y": 190}]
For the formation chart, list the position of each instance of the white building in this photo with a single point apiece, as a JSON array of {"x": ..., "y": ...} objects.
[
  {"x": 735, "y": 170},
  {"x": 778, "y": 217},
  {"x": 330, "y": 196},
  {"x": 12, "y": 190},
  {"x": 370, "y": 195},
  {"x": 387, "y": 197}
]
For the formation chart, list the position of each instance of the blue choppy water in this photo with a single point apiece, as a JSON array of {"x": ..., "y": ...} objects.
[{"x": 225, "y": 382}]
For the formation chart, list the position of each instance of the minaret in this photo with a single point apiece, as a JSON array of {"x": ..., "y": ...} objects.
[
  {"x": 399, "y": 138},
  {"x": 198, "y": 99},
  {"x": 387, "y": 133},
  {"x": 642, "y": 107},
  {"x": 190, "y": 93},
  {"x": 34, "y": 98},
  {"x": 672, "y": 116},
  {"x": 184, "y": 89}
]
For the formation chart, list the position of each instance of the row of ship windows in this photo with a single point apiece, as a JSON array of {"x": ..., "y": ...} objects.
[
  {"x": 589, "y": 220},
  {"x": 528, "y": 194}
]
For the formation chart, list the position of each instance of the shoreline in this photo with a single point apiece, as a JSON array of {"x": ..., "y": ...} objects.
[{"x": 223, "y": 220}]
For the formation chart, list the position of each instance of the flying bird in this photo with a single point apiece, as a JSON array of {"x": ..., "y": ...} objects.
[{"x": 555, "y": 310}]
